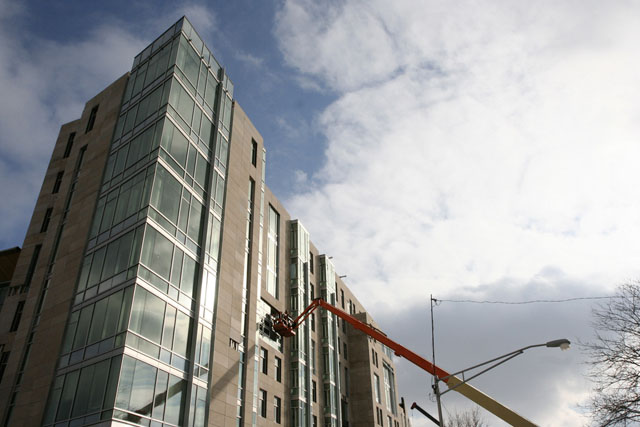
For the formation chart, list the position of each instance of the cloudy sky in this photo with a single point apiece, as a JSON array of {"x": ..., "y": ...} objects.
[{"x": 469, "y": 150}]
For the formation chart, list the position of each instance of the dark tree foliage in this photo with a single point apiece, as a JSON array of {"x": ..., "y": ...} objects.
[{"x": 615, "y": 359}]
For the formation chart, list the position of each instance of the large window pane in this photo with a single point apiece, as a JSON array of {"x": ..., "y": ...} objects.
[
  {"x": 188, "y": 275},
  {"x": 175, "y": 142},
  {"x": 96, "y": 266},
  {"x": 82, "y": 396},
  {"x": 144, "y": 379},
  {"x": 195, "y": 215},
  {"x": 126, "y": 382},
  {"x": 166, "y": 194},
  {"x": 98, "y": 386},
  {"x": 175, "y": 400},
  {"x": 160, "y": 397},
  {"x": 147, "y": 314},
  {"x": 83, "y": 327},
  {"x": 188, "y": 61},
  {"x": 98, "y": 320},
  {"x": 157, "y": 251},
  {"x": 169, "y": 326},
  {"x": 113, "y": 313},
  {"x": 110, "y": 392},
  {"x": 181, "y": 335},
  {"x": 68, "y": 392},
  {"x": 124, "y": 253}
]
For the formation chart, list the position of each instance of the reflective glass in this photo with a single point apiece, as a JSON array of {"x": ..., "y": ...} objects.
[
  {"x": 181, "y": 335},
  {"x": 66, "y": 399},
  {"x": 175, "y": 399},
  {"x": 166, "y": 194},
  {"x": 83, "y": 327},
  {"x": 169, "y": 325},
  {"x": 82, "y": 396},
  {"x": 147, "y": 314},
  {"x": 126, "y": 382},
  {"x": 188, "y": 275},
  {"x": 160, "y": 395},
  {"x": 188, "y": 61},
  {"x": 144, "y": 379},
  {"x": 157, "y": 252},
  {"x": 97, "y": 324}
]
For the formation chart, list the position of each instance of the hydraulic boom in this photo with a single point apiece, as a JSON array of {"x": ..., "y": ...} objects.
[{"x": 285, "y": 326}]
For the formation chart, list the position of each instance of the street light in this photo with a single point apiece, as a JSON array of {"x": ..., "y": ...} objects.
[{"x": 562, "y": 343}]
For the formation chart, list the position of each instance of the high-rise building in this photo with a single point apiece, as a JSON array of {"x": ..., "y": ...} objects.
[{"x": 154, "y": 259}]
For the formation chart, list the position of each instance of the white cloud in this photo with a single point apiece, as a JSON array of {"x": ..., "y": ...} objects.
[
  {"x": 487, "y": 142},
  {"x": 249, "y": 59},
  {"x": 44, "y": 84},
  {"x": 202, "y": 17},
  {"x": 495, "y": 152},
  {"x": 300, "y": 177}
]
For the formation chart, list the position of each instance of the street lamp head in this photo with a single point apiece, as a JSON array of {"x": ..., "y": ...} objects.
[{"x": 563, "y": 343}]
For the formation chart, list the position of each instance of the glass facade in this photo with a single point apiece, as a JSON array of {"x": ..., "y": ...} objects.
[
  {"x": 329, "y": 333},
  {"x": 300, "y": 343},
  {"x": 138, "y": 341}
]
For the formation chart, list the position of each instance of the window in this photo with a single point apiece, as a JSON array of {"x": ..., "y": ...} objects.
[
  {"x": 314, "y": 391},
  {"x": 16, "y": 317},
  {"x": 313, "y": 356},
  {"x": 56, "y": 185},
  {"x": 273, "y": 258},
  {"x": 278, "y": 363},
  {"x": 67, "y": 149},
  {"x": 374, "y": 357},
  {"x": 342, "y": 298},
  {"x": 262, "y": 403},
  {"x": 344, "y": 350},
  {"x": 277, "y": 409},
  {"x": 346, "y": 381},
  {"x": 387, "y": 351},
  {"x": 46, "y": 220},
  {"x": 313, "y": 322},
  {"x": 312, "y": 291},
  {"x": 254, "y": 152},
  {"x": 389, "y": 389},
  {"x": 80, "y": 161},
  {"x": 315, "y": 421},
  {"x": 136, "y": 392},
  {"x": 311, "y": 264},
  {"x": 32, "y": 265},
  {"x": 264, "y": 361},
  {"x": 389, "y": 421},
  {"x": 376, "y": 387},
  {"x": 4, "y": 359},
  {"x": 379, "y": 416},
  {"x": 92, "y": 118}
]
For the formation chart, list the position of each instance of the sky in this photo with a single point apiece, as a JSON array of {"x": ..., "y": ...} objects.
[{"x": 482, "y": 151}]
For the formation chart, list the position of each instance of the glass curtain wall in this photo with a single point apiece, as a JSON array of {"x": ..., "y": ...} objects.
[
  {"x": 300, "y": 343},
  {"x": 330, "y": 369},
  {"x": 137, "y": 345}
]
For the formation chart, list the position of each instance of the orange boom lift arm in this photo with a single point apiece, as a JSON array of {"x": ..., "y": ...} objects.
[{"x": 285, "y": 326}]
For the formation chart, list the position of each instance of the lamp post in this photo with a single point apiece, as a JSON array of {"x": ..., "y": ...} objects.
[{"x": 562, "y": 343}]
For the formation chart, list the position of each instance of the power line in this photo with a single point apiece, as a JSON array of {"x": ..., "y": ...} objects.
[{"x": 525, "y": 302}]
